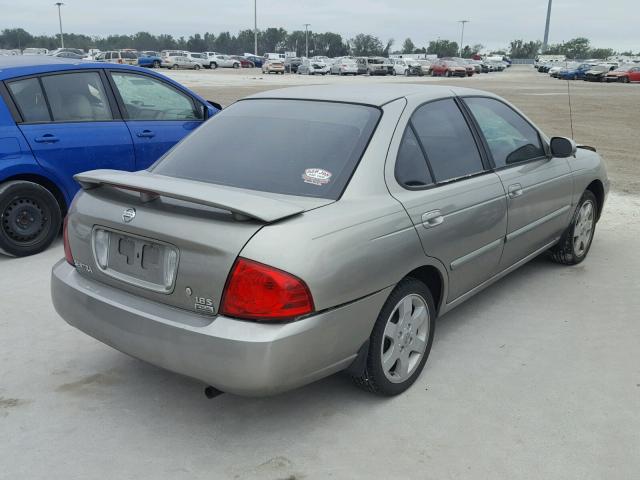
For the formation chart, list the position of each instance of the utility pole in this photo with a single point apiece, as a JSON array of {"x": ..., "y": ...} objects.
[
  {"x": 59, "y": 4},
  {"x": 306, "y": 39},
  {"x": 462, "y": 34},
  {"x": 255, "y": 27},
  {"x": 546, "y": 29}
]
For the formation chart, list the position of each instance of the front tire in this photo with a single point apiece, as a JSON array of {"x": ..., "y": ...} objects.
[
  {"x": 156, "y": 64},
  {"x": 196, "y": 67},
  {"x": 400, "y": 341},
  {"x": 575, "y": 243},
  {"x": 30, "y": 218}
]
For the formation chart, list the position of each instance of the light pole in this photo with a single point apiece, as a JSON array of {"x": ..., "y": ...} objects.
[
  {"x": 59, "y": 4},
  {"x": 546, "y": 29},
  {"x": 306, "y": 39},
  {"x": 462, "y": 34},
  {"x": 255, "y": 27}
]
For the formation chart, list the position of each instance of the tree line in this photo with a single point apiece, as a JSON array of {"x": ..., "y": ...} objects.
[{"x": 279, "y": 40}]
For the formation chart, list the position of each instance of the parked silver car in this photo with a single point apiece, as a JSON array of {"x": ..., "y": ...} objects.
[
  {"x": 312, "y": 67},
  {"x": 261, "y": 276},
  {"x": 344, "y": 66}
]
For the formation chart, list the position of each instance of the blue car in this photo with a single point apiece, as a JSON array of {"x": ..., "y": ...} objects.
[
  {"x": 149, "y": 59},
  {"x": 575, "y": 73},
  {"x": 60, "y": 117}
]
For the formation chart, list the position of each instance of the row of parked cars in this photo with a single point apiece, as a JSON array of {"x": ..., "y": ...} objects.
[
  {"x": 320, "y": 65},
  {"x": 176, "y": 59},
  {"x": 173, "y": 59},
  {"x": 592, "y": 71}
]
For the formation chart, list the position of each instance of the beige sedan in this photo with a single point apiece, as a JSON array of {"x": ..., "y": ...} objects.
[{"x": 273, "y": 66}]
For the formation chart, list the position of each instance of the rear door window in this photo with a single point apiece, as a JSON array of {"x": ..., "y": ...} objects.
[
  {"x": 77, "y": 97},
  {"x": 294, "y": 147},
  {"x": 447, "y": 141},
  {"x": 30, "y": 100}
]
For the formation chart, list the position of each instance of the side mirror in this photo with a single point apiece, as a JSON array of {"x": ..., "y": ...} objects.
[
  {"x": 214, "y": 104},
  {"x": 563, "y": 147}
]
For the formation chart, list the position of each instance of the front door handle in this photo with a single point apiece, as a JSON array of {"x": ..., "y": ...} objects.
[
  {"x": 432, "y": 219},
  {"x": 46, "y": 138},
  {"x": 515, "y": 190},
  {"x": 146, "y": 134}
]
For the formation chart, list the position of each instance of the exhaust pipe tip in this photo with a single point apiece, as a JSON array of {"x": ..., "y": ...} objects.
[{"x": 212, "y": 392}]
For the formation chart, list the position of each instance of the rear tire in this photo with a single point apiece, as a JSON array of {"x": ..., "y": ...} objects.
[
  {"x": 156, "y": 64},
  {"x": 236, "y": 65},
  {"x": 196, "y": 67},
  {"x": 575, "y": 243},
  {"x": 213, "y": 65},
  {"x": 30, "y": 218},
  {"x": 625, "y": 79},
  {"x": 400, "y": 341}
]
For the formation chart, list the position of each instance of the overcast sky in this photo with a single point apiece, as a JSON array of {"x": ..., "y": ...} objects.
[{"x": 609, "y": 23}]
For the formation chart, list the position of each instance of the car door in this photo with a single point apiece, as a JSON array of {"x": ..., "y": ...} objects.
[
  {"x": 539, "y": 188},
  {"x": 71, "y": 124},
  {"x": 158, "y": 114},
  {"x": 456, "y": 204}
]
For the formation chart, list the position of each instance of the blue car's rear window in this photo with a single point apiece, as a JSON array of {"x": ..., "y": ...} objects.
[{"x": 293, "y": 147}]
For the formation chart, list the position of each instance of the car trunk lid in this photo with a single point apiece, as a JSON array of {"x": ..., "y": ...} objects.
[{"x": 170, "y": 240}]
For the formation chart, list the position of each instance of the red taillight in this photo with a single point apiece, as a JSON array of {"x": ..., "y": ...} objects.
[
  {"x": 259, "y": 292},
  {"x": 65, "y": 239}
]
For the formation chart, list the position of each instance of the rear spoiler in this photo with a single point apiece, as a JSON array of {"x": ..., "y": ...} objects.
[{"x": 244, "y": 204}]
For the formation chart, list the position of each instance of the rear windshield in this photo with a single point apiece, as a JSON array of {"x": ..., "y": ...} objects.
[{"x": 293, "y": 147}]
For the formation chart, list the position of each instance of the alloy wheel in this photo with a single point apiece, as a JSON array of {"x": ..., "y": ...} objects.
[
  {"x": 583, "y": 229},
  {"x": 405, "y": 338}
]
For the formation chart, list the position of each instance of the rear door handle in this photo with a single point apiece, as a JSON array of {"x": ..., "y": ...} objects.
[
  {"x": 432, "y": 219},
  {"x": 46, "y": 138},
  {"x": 146, "y": 134},
  {"x": 515, "y": 190}
]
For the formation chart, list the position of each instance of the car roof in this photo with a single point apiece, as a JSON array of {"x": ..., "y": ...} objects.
[
  {"x": 18, "y": 65},
  {"x": 376, "y": 95}
]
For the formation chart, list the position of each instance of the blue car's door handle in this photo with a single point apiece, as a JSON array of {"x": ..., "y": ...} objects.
[
  {"x": 146, "y": 134},
  {"x": 46, "y": 138}
]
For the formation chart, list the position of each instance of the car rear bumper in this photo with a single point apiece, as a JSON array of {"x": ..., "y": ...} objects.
[{"x": 245, "y": 358}]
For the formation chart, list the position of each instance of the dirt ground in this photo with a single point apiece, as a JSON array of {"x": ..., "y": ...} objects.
[{"x": 605, "y": 116}]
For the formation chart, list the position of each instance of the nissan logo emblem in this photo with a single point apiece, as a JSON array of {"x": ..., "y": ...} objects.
[{"x": 128, "y": 215}]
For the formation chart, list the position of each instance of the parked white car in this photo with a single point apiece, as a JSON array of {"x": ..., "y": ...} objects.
[
  {"x": 175, "y": 59},
  {"x": 35, "y": 51},
  {"x": 199, "y": 58},
  {"x": 222, "y": 61},
  {"x": 344, "y": 66},
  {"x": 404, "y": 66}
]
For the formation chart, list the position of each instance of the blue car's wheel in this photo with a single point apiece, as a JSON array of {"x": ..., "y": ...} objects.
[
  {"x": 156, "y": 64},
  {"x": 30, "y": 218}
]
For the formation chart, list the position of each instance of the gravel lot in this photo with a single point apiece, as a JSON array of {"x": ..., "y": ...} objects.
[{"x": 537, "y": 377}]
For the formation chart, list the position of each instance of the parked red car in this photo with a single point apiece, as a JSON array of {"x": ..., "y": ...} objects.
[
  {"x": 624, "y": 74},
  {"x": 447, "y": 68},
  {"x": 244, "y": 63}
]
